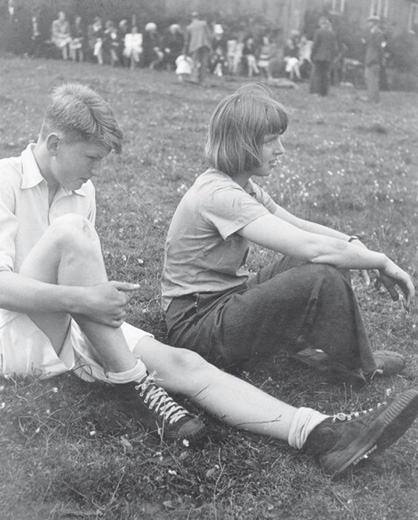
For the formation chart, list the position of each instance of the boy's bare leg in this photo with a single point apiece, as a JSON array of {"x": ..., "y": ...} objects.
[
  {"x": 69, "y": 253},
  {"x": 230, "y": 399}
]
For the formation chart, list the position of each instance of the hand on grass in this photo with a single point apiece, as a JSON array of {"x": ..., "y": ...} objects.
[{"x": 392, "y": 276}]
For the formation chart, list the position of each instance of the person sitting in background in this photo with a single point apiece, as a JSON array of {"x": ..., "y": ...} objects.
[
  {"x": 291, "y": 59},
  {"x": 123, "y": 30},
  {"x": 305, "y": 63},
  {"x": 218, "y": 62},
  {"x": 111, "y": 44},
  {"x": 172, "y": 46},
  {"x": 132, "y": 50},
  {"x": 77, "y": 44},
  {"x": 265, "y": 57},
  {"x": 237, "y": 50},
  {"x": 95, "y": 40},
  {"x": 152, "y": 54},
  {"x": 249, "y": 52},
  {"x": 61, "y": 34}
]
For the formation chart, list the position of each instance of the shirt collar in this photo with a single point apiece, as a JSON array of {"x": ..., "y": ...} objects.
[
  {"x": 32, "y": 175},
  {"x": 30, "y": 169}
]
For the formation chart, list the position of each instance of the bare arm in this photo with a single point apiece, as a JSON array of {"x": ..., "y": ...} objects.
[
  {"x": 103, "y": 303},
  {"x": 277, "y": 234},
  {"x": 306, "y": 225}
]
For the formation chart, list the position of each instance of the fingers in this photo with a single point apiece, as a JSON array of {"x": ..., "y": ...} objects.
[
  {"x": 365, "y": 276},
  {"x": 125, "y": 286},
  {"x": 389, "y": 284}
]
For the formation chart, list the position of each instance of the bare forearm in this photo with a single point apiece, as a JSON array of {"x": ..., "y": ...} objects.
[
  {"x": 311, "y": 227},
  {"x": 342, "y": 254},
  {"x": 23, "y": 294}
]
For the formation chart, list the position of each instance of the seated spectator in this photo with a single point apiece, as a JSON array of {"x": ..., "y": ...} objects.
[
  {"x": 231, "y": 46},
  {"x": 123, "y": 30},
  {"x": 291, "y": 59},
  {"x": 305, "y": 63},
  {"x": 133, "y": 47},
  {"x": 95, "y": 40},
  {"x": 111, "y": 43},
  {"x": 264, "y": 58},
  {"x": 78, "y": 41},
  {"x": 61, "y": 34},
  {"x": 249, "y": 52},
  {"x": 219, "y": 39},
  {"x": 172, "y": 45},
  {"x": 152, "y": 54}
]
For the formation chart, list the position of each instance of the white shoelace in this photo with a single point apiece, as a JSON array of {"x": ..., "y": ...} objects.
[
  {"x": 159, "y": 401},
  {"x": 354, "y": 415}
]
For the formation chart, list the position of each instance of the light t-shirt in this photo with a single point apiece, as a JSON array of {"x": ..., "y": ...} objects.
[{"x": 204, "y": 252}]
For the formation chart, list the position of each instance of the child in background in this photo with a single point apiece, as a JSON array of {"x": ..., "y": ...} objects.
[
  {"x": 183, "y": 67},
  {"x": 133, "y": 47}
]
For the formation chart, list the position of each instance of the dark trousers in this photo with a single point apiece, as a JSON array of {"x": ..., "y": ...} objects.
[
  {"x": 320, "y": 78},
  {"x": 200, "y": 65},
  {"x": 287, "y": 305}
]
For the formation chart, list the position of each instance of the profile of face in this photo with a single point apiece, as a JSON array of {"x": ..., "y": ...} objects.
[
  {"x": 271, "y": 150},
  {"x": 73, "y": 163},
  {"x": 61, "y": 16}
]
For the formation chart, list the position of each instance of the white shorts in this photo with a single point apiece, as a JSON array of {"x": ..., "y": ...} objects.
[{"x": 26, "y": 350}]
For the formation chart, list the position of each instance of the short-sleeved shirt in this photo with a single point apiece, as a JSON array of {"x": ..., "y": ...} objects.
[{"x": 204, "y": 252}]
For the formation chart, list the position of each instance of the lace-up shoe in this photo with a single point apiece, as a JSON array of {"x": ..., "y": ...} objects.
[
  {"x": 343, "y": 440},
  {"x": 157, "y": 412}
]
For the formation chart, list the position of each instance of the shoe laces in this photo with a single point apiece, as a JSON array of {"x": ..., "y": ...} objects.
[
  {"x": 157, "y": 400},
  {"x": 342, "y": 417}
]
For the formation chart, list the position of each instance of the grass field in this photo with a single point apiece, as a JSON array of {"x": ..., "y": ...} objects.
[{"x": 67, "y": 453}]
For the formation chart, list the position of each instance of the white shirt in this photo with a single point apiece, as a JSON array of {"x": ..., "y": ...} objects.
[{"x": 25, "y": 213}]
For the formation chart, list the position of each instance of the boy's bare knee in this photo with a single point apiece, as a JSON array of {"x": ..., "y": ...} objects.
[{"x": 73, "y": 230}]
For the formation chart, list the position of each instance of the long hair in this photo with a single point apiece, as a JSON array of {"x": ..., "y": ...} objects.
[
  {"x": 81, "y": 114},
  {"x": 238, "y": 127}
]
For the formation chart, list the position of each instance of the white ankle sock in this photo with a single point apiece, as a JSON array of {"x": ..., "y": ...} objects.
[
  {"x": 135, "y": 374},
  {"x": 304, "y": 421}
]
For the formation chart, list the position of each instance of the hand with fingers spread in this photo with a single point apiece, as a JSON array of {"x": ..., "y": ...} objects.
[{"x": 106, "y": 302}]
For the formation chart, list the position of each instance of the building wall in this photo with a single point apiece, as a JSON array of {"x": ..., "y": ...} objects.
[{"x": 289, "y": 14}]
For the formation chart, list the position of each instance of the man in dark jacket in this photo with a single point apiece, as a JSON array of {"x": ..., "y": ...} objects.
[
  {"x": 373, "y": 59},
  {"x": 323, "y": 53},
  {"x": 198, "y": 45}
]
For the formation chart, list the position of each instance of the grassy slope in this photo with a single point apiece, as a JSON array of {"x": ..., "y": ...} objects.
[{"x": 65, "y": 452}]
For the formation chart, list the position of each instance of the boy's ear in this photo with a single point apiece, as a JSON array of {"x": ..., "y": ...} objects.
[{"x": 52, "y": 143}]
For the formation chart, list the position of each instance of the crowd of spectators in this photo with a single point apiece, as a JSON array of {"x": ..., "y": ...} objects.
[
  {"x": 250, "y": 48},
  {"x": 244, "y": 49}
]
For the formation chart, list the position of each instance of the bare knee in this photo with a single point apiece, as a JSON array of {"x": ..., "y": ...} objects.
[
  {"x": 186, "y": 362},
  {"x": 73, "y": 232}
]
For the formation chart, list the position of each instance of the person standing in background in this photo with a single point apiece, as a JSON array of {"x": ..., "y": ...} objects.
[
  {"x": 322, "y": 56},
  {"x": 373, "y": 59},
  {"x": 198, "y": 45}
]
